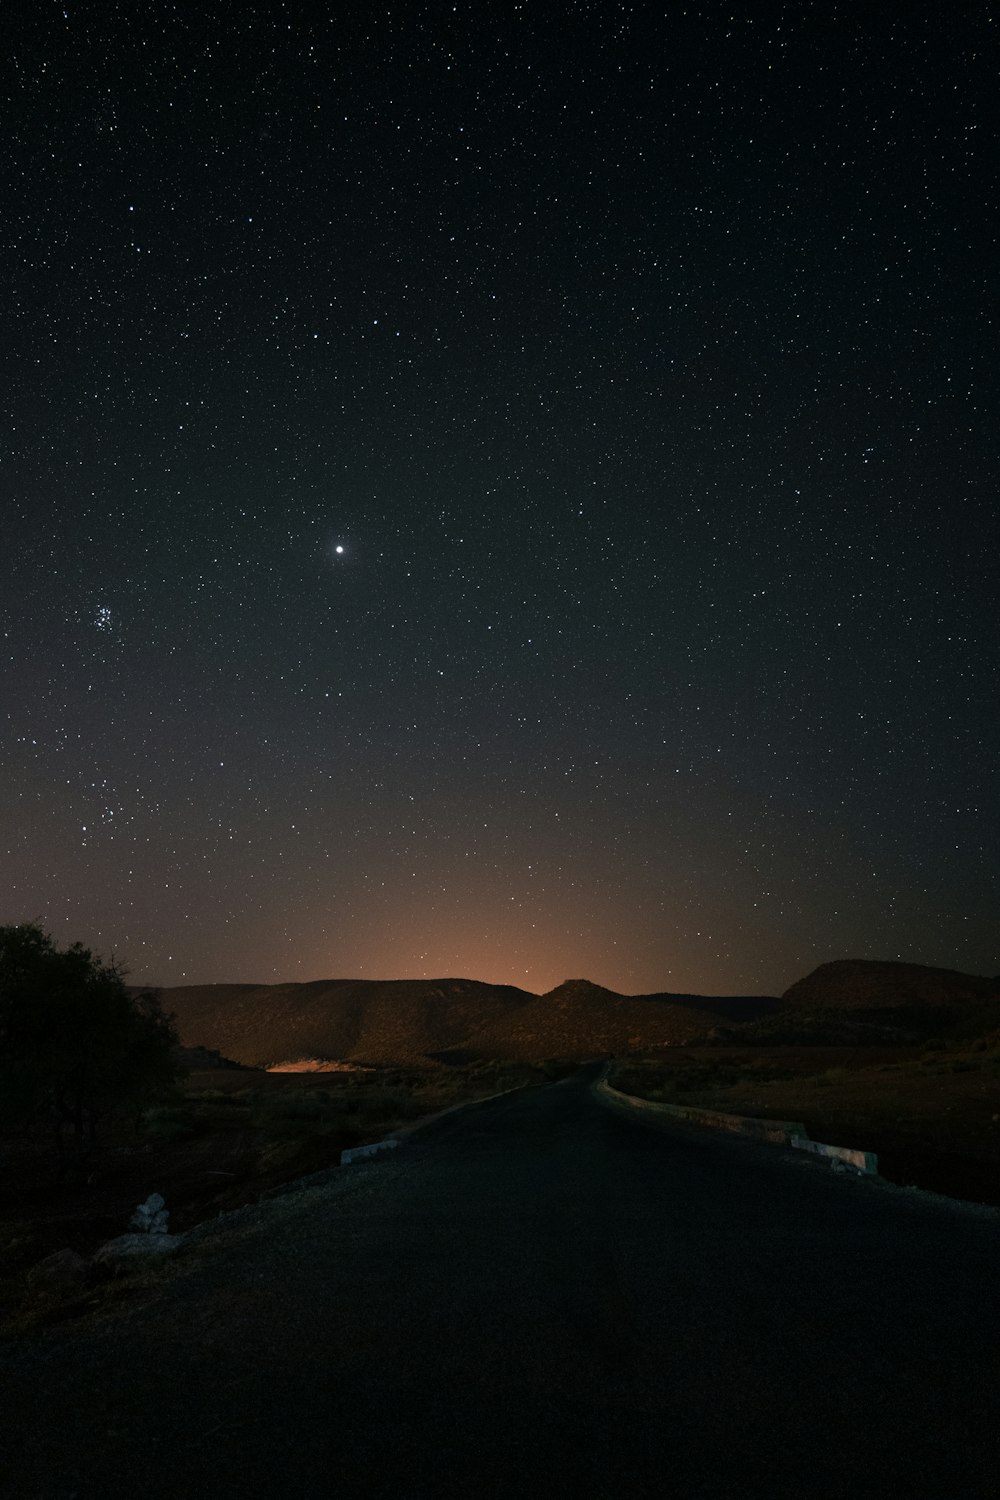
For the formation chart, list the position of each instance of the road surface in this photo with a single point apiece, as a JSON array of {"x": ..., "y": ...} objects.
[{"x": 539, "y": 1298}]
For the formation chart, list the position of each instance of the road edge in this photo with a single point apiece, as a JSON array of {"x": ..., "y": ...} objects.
[{"x": 777, "y": 1132}]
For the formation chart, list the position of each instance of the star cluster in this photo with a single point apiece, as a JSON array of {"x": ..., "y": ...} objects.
[{"x": 504, "y": 491}]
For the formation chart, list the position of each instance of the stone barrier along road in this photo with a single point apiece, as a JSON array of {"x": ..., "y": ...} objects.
[
  {"x": 864, "y": 1161},
  {"x": 780, "y": 1132},
  {"x": 547, "y": 1299},
  {"x": 355, "y": 1153}
]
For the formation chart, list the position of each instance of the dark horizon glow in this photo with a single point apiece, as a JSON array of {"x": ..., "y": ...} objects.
[{"x": 508, "y": 495}]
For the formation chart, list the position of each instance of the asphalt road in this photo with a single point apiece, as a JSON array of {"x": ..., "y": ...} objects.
[{"x": 537, "y": 1297}]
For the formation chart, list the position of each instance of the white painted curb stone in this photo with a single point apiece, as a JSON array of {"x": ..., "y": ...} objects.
[
  {"x": 862, "y": 1161},
  {"x": 355, "y": 1153},
  {"x": 781, "y": 1132}
]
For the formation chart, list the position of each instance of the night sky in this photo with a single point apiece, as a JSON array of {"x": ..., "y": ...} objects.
[{"x": 506, "y": 491}]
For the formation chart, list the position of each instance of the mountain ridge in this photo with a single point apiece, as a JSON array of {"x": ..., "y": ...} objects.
[
  {"x": 406, "y": 1020},
  {"x": 453, "y": 1020},
  {"x": 860, "y": 983}
]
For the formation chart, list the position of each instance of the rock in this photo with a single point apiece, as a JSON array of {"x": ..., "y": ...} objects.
[
  {"x": 152, "y": 1216},
  {"x": 134, "y": 1246},
  {"x": 65, "y": 1269}
]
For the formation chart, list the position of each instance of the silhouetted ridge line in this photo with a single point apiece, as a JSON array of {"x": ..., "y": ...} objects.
[{"x": 408, "y": 1020}]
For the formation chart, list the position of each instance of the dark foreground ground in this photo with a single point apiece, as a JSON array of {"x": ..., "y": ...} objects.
[{"x": 537, "y": 1297}]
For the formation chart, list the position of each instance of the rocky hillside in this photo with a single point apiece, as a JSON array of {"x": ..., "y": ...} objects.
[
  {"x": 583, "y": 1019},
  {"x": 864, "y": 984},
  {"x": 395, "y": 1022},
  {"x": 863, "y": 1002},
  {"x": 392, "y": 1021},
  {"x": 448, "y": 1020},
  {"x": 208, "y": 1060}
]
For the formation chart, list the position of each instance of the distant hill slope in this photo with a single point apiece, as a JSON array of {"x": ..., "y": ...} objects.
[
  {"x": 865, "y": 984},
  {"x": 390, "y": 1021},
  {"x": 583, "y": 1019},
  {"x": 409, "y": 1020},
  {"x": 207, "y": 1059},
  {"x": 865, "y": 1002}
]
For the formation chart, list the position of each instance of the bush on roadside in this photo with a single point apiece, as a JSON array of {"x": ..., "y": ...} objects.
[
  {"x": 378, "y": 1103},
  {"x": 834, "y": 1076},
  {"x": 313, "y": 1106},
  {"x": 170, "y": 1122},
  {"x": 76, "y": 1045}
]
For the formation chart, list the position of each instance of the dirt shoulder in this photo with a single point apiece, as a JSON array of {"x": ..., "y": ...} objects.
[
  {"x": 932, "y": 1116},
  {"x": 231, "y": 1139}
]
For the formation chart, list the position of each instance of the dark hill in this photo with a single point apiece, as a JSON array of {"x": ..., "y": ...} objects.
[
  {"x": 866, "y": 984},
  {"x": 361, "y": 1020},
  {"x": 580, "y": 1019},
  {"x": 865, "y": 1002},
  {"x": 453, "y": 1020},
  {"x": 207, "y": 1060}
]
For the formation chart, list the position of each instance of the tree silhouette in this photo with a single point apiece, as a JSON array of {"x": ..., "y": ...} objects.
[{"x": 75, "y": 1045}]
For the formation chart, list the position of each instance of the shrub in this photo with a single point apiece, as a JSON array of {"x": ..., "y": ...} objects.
[
  {"x": 75, "y": 1045},
  {"x": 307, "y": 1105},
  {"x": 170, "y": 1123},
  {"x": 379, "y": 1103}
]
